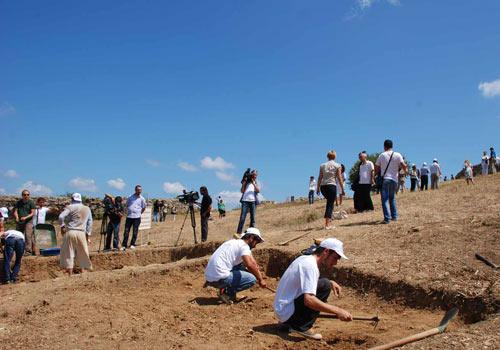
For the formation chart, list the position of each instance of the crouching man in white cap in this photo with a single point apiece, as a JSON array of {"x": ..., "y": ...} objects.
[
  {"x": 76, "y": 226},
  {"x": 302, "y": 294},
  {"x": 232, "y": 268}
]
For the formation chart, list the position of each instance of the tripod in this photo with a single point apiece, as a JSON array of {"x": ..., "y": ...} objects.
[
  {"x": 193, "y": 223},
  {"x": 104, "y": 225}
]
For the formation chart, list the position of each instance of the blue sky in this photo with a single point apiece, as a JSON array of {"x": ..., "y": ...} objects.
[{"x": 96, "y": 96}]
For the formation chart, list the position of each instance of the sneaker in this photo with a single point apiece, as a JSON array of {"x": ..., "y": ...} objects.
[
  {"x": 226, "y": 299},
  {"x": 386, "y": 222},
  {"x": 123, "y": 249},
  {"x": 132, "y": 247},
  {"x": 307, "y": 334}
]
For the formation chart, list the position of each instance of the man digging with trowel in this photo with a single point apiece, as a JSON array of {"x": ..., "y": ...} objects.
[
  {"x": 302, "y": 294},
  {"x": 232, "y": 268}
]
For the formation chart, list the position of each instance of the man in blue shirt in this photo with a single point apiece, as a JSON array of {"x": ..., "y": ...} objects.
[
  {"x": 493, "y": 161},
  {"x": 136, "y": 204},
  {"x": 424, "y": 177}
]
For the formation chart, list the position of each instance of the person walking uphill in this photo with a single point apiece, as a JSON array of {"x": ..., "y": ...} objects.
[
  {"x": 329, "y": 176},
  {"x": 76, "y": 228},
  {"x": 312, "y": 189},
  {"x": 387, "y": 166},
  {"x": 250, "y": 189},
  {"x": 302, "y": 294},
  {"x": 23, "y": 213},
  {"x": 227, "y": 268},
  {"x": 136, "y": 204},
  {"x": 205, "y": 209},
  {"x": 435, "y": 174}
]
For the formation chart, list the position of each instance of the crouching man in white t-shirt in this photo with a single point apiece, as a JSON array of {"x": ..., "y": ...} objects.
[
  {"x": 227, "y": 267},
  {"x": 302, "y": 294}
]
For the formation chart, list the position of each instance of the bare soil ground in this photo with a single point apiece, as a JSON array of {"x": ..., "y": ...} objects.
[{"x": 408, "y": 272}]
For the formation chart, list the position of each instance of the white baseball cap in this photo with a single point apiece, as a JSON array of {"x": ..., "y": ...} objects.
[
  {"x": 435, "y": 160},
  {"x": 335, "y": 245},
  {"x": 77, "y": 197},
  {"x": 253, "y": 231},
  {"x": 4, "y": 212}
]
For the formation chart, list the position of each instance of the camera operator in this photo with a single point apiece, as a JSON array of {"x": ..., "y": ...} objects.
[
  {"x": 205, "y": 209},
  {"x": 249, "y": 188}
]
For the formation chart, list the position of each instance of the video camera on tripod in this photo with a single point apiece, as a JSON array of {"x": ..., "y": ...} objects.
[{"x": 189, "y": 198}]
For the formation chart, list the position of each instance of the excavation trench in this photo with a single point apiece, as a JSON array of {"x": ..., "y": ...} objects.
[{"x": 274, "y": 262}]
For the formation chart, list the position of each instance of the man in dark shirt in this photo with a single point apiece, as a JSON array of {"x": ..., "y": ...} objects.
[
  {"x": 113, "y": 229},
  {"x": 23, "y": 213},
  {"x": 206, "y": 208}
]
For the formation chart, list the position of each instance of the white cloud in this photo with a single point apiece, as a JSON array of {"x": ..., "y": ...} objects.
[
  {"x": 224, "y": 176},
  {"x": 215, "y": 164},
  {"x": 6, "y": 109},
  {"x": 11, "y": 173},
  {"x": 490, "y": 89},
  {"x": 35, "y": 188},
  {"x": 153, "y": 162},
  {"x": 361, "y": 6},
  {"x": 186, "y": 166},
  {"x": 117, "y": 183},
  {"x": 82, "y": 184},
  {"x": 364, "y": 4},
  {"x": 173, "y": 187},
  {"x": 3, "y": 191}
]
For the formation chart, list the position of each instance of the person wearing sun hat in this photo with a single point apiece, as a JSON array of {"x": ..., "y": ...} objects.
[
  {"x": 302, "y": 294},
  {"x": 232, "y": 268},
  {"x": 76, "y": 227},
  {"x": 435, "y": 174}
]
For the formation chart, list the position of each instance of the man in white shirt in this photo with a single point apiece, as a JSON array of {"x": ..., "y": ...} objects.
[
  {"x": 363, "y": 200},
  {"x": 435, "y": 174},
  {"x": 136, "y": 204},
  {"x": 302, "y": 294},
  {"x": 14, "y": 244},
  {"x": 388, "y": 165},
  {"x": 227, "y": 268},
  {"x": 312, "y": 188}
]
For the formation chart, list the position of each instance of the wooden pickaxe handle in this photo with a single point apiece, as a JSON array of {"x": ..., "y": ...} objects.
[{"x": 355, "y": 318}]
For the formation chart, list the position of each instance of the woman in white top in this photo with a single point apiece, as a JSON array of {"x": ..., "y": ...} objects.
[
  {"x": 249, "y": 189},
  {"x": 329, "y": 175}
]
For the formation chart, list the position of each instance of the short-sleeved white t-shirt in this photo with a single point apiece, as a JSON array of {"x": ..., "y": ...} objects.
[
  {"x": 249, "y": 195},
  {"x": 15, "y": 234},
  {"x": 40, "y": 214},
  {"x": 365, "y": 172},
  {"x": 393, "y": 169},
  {"x": 301, "y": 277},
  {"x": 222, "y": 261}
]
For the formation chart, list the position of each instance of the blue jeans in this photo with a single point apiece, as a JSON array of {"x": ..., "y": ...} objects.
[
  {"x": 238, "y": 280},
  {"x": 156, "y": 217},
  {"x": 246, "y": 207},
  {"x": 388, "y": 192},
  {"x": 12, "y": 245},
  {"x": 113, "y": 230},
  {"x": 311, "y": 196}
]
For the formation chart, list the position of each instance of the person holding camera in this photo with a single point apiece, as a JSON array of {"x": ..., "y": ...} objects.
[
  {"x": 113, "y": 229},
  {"x": 205, "y": 209},
  {"x": 249, "y": 200}
]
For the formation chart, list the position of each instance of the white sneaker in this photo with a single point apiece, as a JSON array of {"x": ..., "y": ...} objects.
[
  {"x": 132, "y": 247},
  {"x": 123, "y": 249}
]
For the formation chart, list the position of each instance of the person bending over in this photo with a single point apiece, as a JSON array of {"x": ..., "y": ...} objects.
[
  {"x": 232, "y": 267},
  {"x": 302, "y": 294}
]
